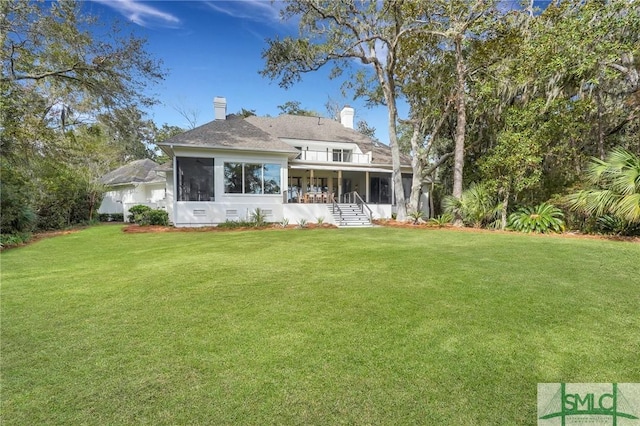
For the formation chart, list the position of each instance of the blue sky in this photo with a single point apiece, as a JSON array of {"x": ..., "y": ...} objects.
[{"x": 213, "y": 48}]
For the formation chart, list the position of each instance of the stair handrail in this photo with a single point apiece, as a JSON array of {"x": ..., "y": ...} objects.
[
  {"x": 360, "y": 202},
  {"x": 336, "y": 206}
]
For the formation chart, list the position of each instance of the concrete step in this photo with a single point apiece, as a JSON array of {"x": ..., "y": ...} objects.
[{"x": 352, "y": 216}]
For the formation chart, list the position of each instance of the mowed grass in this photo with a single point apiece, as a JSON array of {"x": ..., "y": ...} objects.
[{"x": 326, "y": 326}]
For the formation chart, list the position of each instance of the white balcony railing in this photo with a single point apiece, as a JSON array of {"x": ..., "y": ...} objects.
[{"x": 332, "y": 156}]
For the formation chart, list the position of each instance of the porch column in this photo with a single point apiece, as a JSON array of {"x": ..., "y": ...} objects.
[
  {"x": 303, "y": 183},
  {"x": 339, "y": 185},
  {"x": 311, "y": 178},
  {"x": 330, "y": 183},
  {"x": 174, "y": 178},
  {"x": 367, "y": 187}
]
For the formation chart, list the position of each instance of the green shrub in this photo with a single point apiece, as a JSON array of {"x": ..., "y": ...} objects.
[
  {"x": 158, "y": 217},
  {"x": 542, "y": 218},
  {"x": 152, "y": 217},
  {"x": 232, "y": 224},
  {"x": 137, "y": 210},
  {"x": 65, "y": 198},
  {"x": 117, "y": 217},
  {"x": 615, "y": 225},
  {"x": 8, "y": 240},
  {"x": 111, "y": 217},
  {"x": 477, "y": 207},
  {"x": 441, "y": 220},
  {"x": 17, "y": 194}
]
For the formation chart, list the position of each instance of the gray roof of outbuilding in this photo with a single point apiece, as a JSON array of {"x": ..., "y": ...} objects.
[
  {"x": 135, "y": 172},
  {"x": 323, "y": 129},
  {"x": 233, "y": 133}
]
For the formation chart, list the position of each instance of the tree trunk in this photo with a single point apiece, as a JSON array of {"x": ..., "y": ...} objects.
[
  {"x": 601, "y": 151},
  {"x": 92, "y": 204},
  {"x": 461, "y": 124},
  {"x": 503, "y": 212},
  {"x": 416, "y": 167},
  {"x": 432, "y": 206},
  {"x": 388, "y": 88}
]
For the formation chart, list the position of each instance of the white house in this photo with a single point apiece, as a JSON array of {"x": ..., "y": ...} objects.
[
  {"x": 291, "y": 167},
  {"x": 138, "y": 182}
]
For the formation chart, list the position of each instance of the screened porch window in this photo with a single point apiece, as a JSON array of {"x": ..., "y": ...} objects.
[
  {"x": 251, "y": 178},
  {"x": 195, "y": 179}
]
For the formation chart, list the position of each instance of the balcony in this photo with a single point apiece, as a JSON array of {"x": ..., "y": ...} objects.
[{"x": 334, "y": 156}]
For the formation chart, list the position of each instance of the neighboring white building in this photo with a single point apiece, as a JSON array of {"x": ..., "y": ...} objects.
[
  {"x": 291, "y": 167},
  {"x": 138, "y": 182}
]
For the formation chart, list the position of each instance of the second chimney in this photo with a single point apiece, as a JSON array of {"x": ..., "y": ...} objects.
[
  {"x": 346, "y": 117},
  {"x": 220, "y": 108}
]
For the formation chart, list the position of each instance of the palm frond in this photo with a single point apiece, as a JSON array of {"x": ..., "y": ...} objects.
[{"x": 616, "y": 187}]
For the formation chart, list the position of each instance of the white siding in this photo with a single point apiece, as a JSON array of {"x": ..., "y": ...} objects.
[{"x": 229, "y": 206}]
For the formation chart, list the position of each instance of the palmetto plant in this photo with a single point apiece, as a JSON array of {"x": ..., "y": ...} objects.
[
  {"x": 609, "y": 224},
  {"x": 258, "y": 217},
  {"x": 416, "y": 216},
  {"x": 615, "y": 188},
  {"x": 477, "y": 207},
  {"x": 542, "y": 218},
  {"x": 441, "y": 220}
]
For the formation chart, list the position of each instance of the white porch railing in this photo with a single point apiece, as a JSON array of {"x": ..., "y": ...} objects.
[{"x": 331, "y": 157}]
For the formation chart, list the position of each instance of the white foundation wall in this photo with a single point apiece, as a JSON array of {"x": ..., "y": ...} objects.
[
  {"x": 310, "y": 213},
  {"x": 198, "y": 213},
  {"x": 192, "y": 213},
  {"x": 381, "y": 211}
]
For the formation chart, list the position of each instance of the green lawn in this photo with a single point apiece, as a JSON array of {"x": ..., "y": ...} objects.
[{"x": 326, "y": 326}]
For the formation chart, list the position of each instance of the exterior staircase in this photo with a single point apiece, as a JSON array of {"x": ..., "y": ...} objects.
[{"x": 349, "y": 215}]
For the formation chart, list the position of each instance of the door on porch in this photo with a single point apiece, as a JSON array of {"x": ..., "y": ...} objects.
[{"x": 380, "y": 190}]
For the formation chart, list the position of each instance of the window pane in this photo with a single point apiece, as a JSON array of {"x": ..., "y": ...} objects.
[
  {"x": 272, "y": 178},
  {"x": 253, "y": 178},
  {"x": 346, "y": 156},
  {"x": 233, "y": 178},
  {"x": 195, "y": 179}
]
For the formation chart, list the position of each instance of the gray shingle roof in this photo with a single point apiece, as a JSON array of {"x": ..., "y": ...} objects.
[
  {"x": 235, "y": 133},
  {"x": 135, "y": 172},
  {"x": 264, "y": 133},
  {"x": 322, "y": 129}
]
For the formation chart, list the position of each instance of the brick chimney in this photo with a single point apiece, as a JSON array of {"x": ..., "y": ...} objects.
[
  {"x": 346, "y": 116},
  {"x": 220, "y": 108}
]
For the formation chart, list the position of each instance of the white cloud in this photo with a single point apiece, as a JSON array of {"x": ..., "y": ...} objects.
[
  {"x": 141, "y": 13},
  {"x": 254, "y": 10}
]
